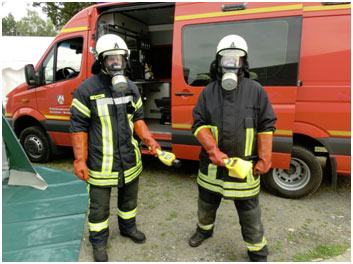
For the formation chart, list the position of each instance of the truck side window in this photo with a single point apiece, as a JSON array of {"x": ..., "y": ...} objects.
[
  {"x": 274, "y": 46},
  {"x": 69, "y": 58},
  {"x": 68, "y": 61},
  {"x": 48, "y": 68}
]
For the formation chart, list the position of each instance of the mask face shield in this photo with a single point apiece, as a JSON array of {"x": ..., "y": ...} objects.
[
  {"x": 230, "y": 62},
  {"x": 115, "y": 65}
]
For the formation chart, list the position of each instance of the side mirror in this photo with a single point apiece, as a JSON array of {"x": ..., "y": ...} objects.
[{"x": 30, "y": 75}]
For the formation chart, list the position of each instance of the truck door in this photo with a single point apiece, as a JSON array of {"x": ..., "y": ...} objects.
[
  {"x": 272, "y": 32},
  {"x": 62, "y": 70}
]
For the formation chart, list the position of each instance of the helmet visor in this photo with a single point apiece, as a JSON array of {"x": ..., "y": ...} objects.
[{"x": 232, "y": 52}]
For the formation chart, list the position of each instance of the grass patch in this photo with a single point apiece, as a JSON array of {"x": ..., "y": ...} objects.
[
  {"x": 172, "y": 216},
  {"x": 322, "y": 251},
  {"x": 290, "y": 236}
]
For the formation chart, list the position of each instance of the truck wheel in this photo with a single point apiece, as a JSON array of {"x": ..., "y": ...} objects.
[
  {"x": 35, "y": 144},
  {"x": 303, "y": 177}
]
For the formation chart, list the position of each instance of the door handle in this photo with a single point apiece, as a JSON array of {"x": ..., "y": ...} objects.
[
  {"x": 184, "y": 94},
  {"x": 25, "y": 100}
]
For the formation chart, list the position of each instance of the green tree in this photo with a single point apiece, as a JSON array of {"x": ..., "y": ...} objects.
[
  {"x": 33, "y": 25},
  {"x": 9, "y": 25},
  {"x": 61, "y": 12}
]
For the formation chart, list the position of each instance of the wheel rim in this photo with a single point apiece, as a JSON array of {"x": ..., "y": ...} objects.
[
  {"x": 33, "y": 146},
  {"x": 295, "y": 178}
]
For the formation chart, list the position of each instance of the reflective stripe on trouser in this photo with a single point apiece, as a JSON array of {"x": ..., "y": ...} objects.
[
  {"x": 98, "y": 215},
  {"x": 252, "y": 230},
  {"x": 206, "y": 214},
  {"x": 99, "y": 210},
  {"x": 127, "y": 206}
]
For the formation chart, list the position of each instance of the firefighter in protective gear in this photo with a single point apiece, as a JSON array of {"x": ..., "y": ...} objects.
[
  {"x": 233, "y": 118},
  {"x": 104, "y": 120}
]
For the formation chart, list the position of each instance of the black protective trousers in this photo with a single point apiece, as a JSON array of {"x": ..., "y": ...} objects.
[
  {"x": 99, "y": 211},
  {"x": 249, "y": 213}
]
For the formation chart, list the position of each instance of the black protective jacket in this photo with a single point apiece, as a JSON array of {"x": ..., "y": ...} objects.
[
  {"x": 235, "y": 118},
  {"x": 108, "y": 116}
]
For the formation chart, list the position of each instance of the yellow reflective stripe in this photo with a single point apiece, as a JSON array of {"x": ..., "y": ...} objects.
[
  {"x": 265, "y": 133},
  {"x": 241, "y": 12},
  {"x": 103, "y": 175},
  {"x": 97, "y": 96},
  {"x": 139, "y": 103},
  {"x": 186, "y": 126},
  {"x": 81, "y": 107},
  {"x": 133, "y": 169},
  {"x": 212, "y": 171},
  {"x": 96, "y": 227},
  {"x": 339, "y": 133},
  {"x": 327, "y": 7},
  {"x": 229, "y": 193},
  {"x": 89, "y": 199},
  {"x": 103, "y": 182},
  {"x": 107, "y": 137},
  {"x": 213, "y": 129},
  {"x": 57, "y": 117},
  {"x": 205, "y": 227},
  {"x": 133, "y": 175},
  {"x": 229, "y": 185},
  {"x": 283, "y": 132},
  {"x": 127, "y": 215},
  {"x": 257, "y": 246},
  {"x": 248, "y": 142},
  {"x": 75, "y": 29},
  {"x": 133, "y": 140}
]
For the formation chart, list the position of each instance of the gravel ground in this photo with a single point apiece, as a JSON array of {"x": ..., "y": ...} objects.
[{"x": 167, "y": 209}]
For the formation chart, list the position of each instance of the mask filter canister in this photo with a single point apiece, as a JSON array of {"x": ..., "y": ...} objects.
[
  {"x": 229, "y": 81},
  {"x": 119, "y": 83}
]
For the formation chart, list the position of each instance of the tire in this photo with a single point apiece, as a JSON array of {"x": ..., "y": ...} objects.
[
  {"x": 303, "y": 177},
  {"x": 36, "y": 144}
]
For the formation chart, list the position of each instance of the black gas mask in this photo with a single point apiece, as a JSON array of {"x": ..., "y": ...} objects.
[
  {"x": 115, "y": 66},
  {"x": 229, "y": 64}
]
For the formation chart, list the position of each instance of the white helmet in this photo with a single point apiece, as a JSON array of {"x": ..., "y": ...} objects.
[
  {"x": 111, "y": 44},
  {"x": 232, "y": 44}
]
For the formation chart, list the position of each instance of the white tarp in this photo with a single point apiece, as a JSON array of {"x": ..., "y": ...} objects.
[{"x": 15, "y": 53}]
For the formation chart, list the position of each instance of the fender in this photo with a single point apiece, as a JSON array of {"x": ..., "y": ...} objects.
[
  {"x": 28, "y": 112},
  {"x": 309, "y": 130}
]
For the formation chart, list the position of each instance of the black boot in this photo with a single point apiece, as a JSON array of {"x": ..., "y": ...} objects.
[
  {"x": 197, "y": 239},
  {"x": 136, "y": 236},
  {"x": 100, "y": 254},
  {"x": 258, "y": 256}
]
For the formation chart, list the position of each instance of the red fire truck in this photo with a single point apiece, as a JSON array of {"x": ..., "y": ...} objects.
[{"x": 299, "y": 52}]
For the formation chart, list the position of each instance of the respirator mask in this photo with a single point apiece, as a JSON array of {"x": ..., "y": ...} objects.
[
  {"x": 230, "y": 62},
  {"x": 115, "y": 66}
]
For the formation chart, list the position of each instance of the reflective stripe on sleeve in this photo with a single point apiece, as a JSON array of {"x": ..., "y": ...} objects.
[{"x": 81, "y": 107}]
